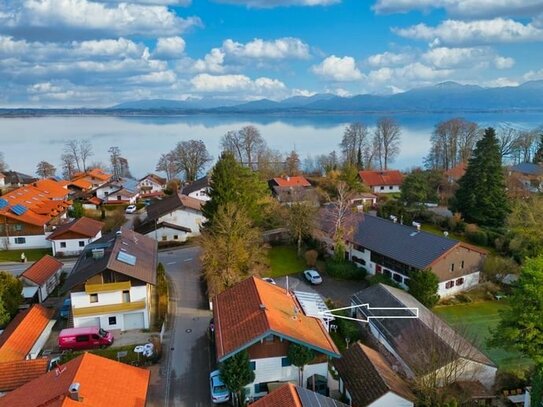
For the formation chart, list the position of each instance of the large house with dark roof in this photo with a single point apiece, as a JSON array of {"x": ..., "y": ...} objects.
[
  {"x": 367, "y": 380},
  {"x": 198, "y": 189},
  {"x": 112, "y": 282},
  {"x": 386, "y": 247},
  {"x": 71, "y": 238},
  {"x": 264, "y": 319},
  {"x": 44, "y": 275},
  {"x": 382, "y": 182},
  {"x": 173, "y": 218},
  {"x": 423, "y": 346},
  {"x": 529, "y": 175}
]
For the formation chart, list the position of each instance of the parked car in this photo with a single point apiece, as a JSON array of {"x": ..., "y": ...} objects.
[
  {"x": 269, "y": 280},
  {"x": 219, "y": 391},
  {"x": 313, "y": 276},
  {"x": 66, "y": 307},
  {"x": 131, "y": 209},
  {"x": 84, "y": 338}
]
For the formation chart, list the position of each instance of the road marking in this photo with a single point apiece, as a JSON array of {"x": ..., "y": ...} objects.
[
  {"x": 188, "y": 259},
  {"x": 170, "y": 263}
]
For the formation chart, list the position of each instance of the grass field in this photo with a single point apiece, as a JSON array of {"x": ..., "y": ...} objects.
[
  {"x": 477, "y": 319},
  {"x": 284, "y": 261},
  {"x": 31, "y": 254}
]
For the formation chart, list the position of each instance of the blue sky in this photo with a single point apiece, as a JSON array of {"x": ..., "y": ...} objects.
[{"x": 101, "y": 52}]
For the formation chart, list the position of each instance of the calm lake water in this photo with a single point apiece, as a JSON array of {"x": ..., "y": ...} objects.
[{"x": 26, "y": 141}]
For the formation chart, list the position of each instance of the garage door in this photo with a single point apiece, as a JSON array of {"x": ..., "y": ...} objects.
[
  {"x": 88, "y": 322},
  {"x": 133, "y": 321}
]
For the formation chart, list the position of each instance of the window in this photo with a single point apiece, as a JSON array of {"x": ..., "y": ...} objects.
[
  {"x": 252, "y": 365},
  {"x": 462, "y": 264},
  {"x": 126, "y": 296},
  {"x": 175, "y": 237},
  {"x": 164, "y": 238},
  {"x": 452, "y": 267},
  {"x": 119, "y": 197},
  {"x": 285, "y": 362},
  {"x": 63, "y": 245},
  {"x": 93, "y": 298},
  {"x": 81, "y": 243},
  {"x": 449, "y": 284},
  {"x": 381, "y": 188},
  {"x": 261, "y": 387},
  {"x": 387, "y": 273},
  {"x": 112, "y": 320},
  {"x": 20, "y": 240},
  {"x": 82, "y": 338},
  {"x": 268, "y": 338},
  {"x": 391, "y": 187},
  {"x": 95, "y": 337},
  {"x": 460, "y": 281},
  {"x": 358, "y": 260},
  {"x": 18, "y": 227},
  {"x": 397, "y": 277}
]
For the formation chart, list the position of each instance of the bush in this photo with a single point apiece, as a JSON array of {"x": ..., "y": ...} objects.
[
  {"x": 311, "y": 257},
  {"x": 381, "y": 278},
  {"x": 477, "y": 237},
  {"x": 345, "y": 270}
]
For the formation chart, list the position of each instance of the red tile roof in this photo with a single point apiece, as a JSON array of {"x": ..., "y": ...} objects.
[
  {"x": 94, "y": 200},
  {"x": 94, "y": 173},
  {"x": 81, "y": 183},
  {"x": 457, "y": 171},
  {"x": 42, "y": 270},
  {"x": 22, "y": 332},
  {"x": 376, "y": 178},
  {"x": 297, "y": 181},
  {"x": 284, "y": 396},
  {"x": 16, "y": 373},
  {"x": 102, "y": 382},
  {"x": 85, "y": 227},
  {"x": 253, "y": 308}
]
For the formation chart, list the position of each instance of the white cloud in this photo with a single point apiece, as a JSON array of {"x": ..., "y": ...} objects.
[
  {"x": 443, "y": 57},
  {"x": 389, "y": 59},
  {"x": 152, "y": 2},
  {"x": 279, "y": 3},
  {"x": 455, "y": 32},
  {"x": 340, "y": 69},
  {"x": 161, "y": 77},
  {"x": 281, "y": 48},
  {"x": 500, "y": 82},
  {"x": 212, "y": 62},
  {"x": 169, "y": 48},
  {"x": 504, "y": 62},
  {"x": 234, "y": 83},
  {"x": 406, "y": 77},
  {"x": 464, "y": 8},
  {"x": 344, "y": 93}
]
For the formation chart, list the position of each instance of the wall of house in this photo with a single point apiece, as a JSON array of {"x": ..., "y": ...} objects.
[
  {"x": 103, "y": 191},
  {"x": 72, "y": 245},
  {"x": 362, "y": 258},
  {"x": 41, "y": 341},
  {"x": 469, "y": 370},
  {"x": 200, "y": 194},
  {"x": 386, "y": 189},
  {"x": 456, "y": 285},
  {"x": 185, "y": 217},
  {"x": 30, "y": 242},
  {"x": 121, "y": 197},
  {"x": 166, "y": 234},
  {"x": 391, "y": 400},
  {"x": 458, "y": 262},
  {"x": 147, "y": 186}
]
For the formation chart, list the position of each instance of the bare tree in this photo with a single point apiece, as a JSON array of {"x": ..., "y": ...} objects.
[
  {"x": 85, "y": 152},
  {"x": 386, "y": 140},
  {"x": 115, "y": 160},
  {"x": 190, "y": 158},
  {"x": 354, "y": 144},
  {"x": 71, "y": 147},
  {"x": 45, "y": 169},
  {"x": 233, "y": 143},
  {"x": 3, "y": 164},
  {"x": 292, "y": 163},
  {"x": 507, "y": 137},
  {"x": 270, "y": 163},
  {"x": 524, "y": 146},
  {"x": 68, "y": 165},
  {"x": 246, "y": 145},
  {"x": 166, "y": 163},
  {"x": 300, "y": 221}
]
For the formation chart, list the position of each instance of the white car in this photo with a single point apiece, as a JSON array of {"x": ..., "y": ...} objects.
[
  {"x": 313, "y": 276},
  {"x": 269, "y": 280},
  {"x": 219, "y": 391},
  {"x": 131, "y": 209}
]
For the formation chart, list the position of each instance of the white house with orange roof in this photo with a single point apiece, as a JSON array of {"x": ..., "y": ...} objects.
[
  {"x": 265, "y": 320},
  {"x": 96, "y": 177},
  {"x": 44, "y": 274}
]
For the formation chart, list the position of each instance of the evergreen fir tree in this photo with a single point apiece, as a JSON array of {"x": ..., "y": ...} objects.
[{"x": 481, "y": 197}]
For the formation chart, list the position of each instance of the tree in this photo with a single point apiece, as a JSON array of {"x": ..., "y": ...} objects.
[
  {"x": 423, "y": 286},
  {"x": 246, "y": 144},
  {"x": 236, "y": 373},
  {"x": 190, "y": 158},
  {"x": 538, "y": 156},
  {"x": 232, "y": 183},
  {"x": 45, "y": 169},
  {"x": 80, "y": 151},
  {"x": 300, "y": 356},
  {"x": 85, "y": 152},
  {"x": 386, "y": 140},
  {"x": 3, "y": 164},
  {"x": 166, "y": 163},
  {"x": 10, "y": 296},
  {"x": 481, "y": 197},
  {"x": 231, "y": 248},
  {"x": 524, "y": 224},
  {"x": 421, "y": 186},
  {"x": 71, "y": 148},
  {"x": 68, "y": 166},
  {"x": 292, "y": 163},
  {"x": 354, "y": 144},
  {"x": 119, "y": 164},
  {"x": 300, "y": 221},
  {"x": 521, "y": 326},
  {"x": 77, "y": 210}
]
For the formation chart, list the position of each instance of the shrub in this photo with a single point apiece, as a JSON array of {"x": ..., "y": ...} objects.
[
  {"x": 345, "y": 270},
  {"x": 381, "y": 278},
  {"x": 311, "y": 257},
  {"x": 477, "y": 237}
]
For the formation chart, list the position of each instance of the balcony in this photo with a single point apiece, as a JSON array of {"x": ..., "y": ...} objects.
[
  {"x": 107, "y": 287},
  {"x": 108, "y": 309}
]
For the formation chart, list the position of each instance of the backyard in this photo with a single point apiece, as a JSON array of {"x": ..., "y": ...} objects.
[
  {"x": 477, "y": 319},
  {"x": 283, "y": 261},
  {"x": 30, "y": 254}
]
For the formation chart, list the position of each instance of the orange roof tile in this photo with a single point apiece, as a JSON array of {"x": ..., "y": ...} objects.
[
  {"x": 85, "y": 227},
  {"x": 103, "y": 382},
  {"x": 16, "y": 373},
  {"x": 81, "y": 183},
  {"x": 22, "y": 332},
  {"x": 376, "y": 178},
  {"x": 297, "y": 181},
  {"x": 457, "y": 171},
  {"x": 51, "y": 187},
  {"x": 42, "y": 270},
  {"x": 97, "y": 173},
  {"x": 284, "y": 396},
  {"x": 253, "y": 308},
  {"x": 94, "y": 200}
]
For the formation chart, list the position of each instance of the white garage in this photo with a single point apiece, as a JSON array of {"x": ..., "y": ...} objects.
[
  {"x": 86, "y": 322},
  {"x": 133, "y": 321}
]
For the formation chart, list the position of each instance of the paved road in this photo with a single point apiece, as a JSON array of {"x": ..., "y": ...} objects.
[
  {"x": 188, "y": 361},
  {"x": 18, "y": 268}
]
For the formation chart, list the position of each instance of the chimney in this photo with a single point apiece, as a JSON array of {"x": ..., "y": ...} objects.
[{"x": 74, "y": 391}]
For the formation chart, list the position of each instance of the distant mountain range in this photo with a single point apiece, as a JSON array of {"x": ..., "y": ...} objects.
[{"x": 446, "y": 96}]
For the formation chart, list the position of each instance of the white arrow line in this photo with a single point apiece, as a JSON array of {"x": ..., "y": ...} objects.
[{"x": 415, "y": 311}]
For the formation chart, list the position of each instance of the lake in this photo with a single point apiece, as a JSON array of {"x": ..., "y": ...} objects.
[{"x": 142, "y": 139}]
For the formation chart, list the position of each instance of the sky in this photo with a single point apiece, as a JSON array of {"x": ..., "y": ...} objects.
[{"x": 96, "y": 53}]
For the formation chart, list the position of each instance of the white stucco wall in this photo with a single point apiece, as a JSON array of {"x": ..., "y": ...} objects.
[
  {"x": 201, "y": 194},
  {"x": 386, "y": 189},
  {"x": 72, "y": 245},
  {"x": 185, "y": 217},
  {"x": 31, "y": 242},
  {"x": 391, "y": 400},
  {"x": 470, "y": 280},
  {"x": 165, "y": 234},
  {"x": 149, "y": 186}
]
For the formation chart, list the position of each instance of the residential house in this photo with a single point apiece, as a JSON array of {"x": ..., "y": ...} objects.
[
  {"x": 264, "y": 319},
  {"x": 118, "y": 191},
  {"x": 16, "y": 179},
  {"x": 78, "y": 186},
  {"x": 28, "y": 213},
  {"x": 44, "y": 275},
  {"x": 367, "y": 380},
  {"x": 422, "y": 345},
  {"x": 95, "y": 176},
  {"x": 291, "y": 395},
  {"x": 88, "y": 380},
  {"x": 198, "y": 189},
  {"x": 397, "y": 251},
  {"x": 173, "y": 218},
  {"x": 454, "y": 174},
  {"x": 529, "y": 175},
  {"x": 21, "y": 343},
  {"x": 112, "y": 282},
  {"x": 288, "y": 190},
  {"x": 151, "y": 186},
  {"x": 382, "y": 182},
  {"x": 71, "y": 238}
]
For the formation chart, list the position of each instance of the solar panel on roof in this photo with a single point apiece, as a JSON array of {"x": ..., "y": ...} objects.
[
  {"x": 3, "y": 203},
  {"x": 19, "y": 209},
  {"x": 127, "y": 258}
]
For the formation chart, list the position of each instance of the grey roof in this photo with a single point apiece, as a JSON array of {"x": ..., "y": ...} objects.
[
  {"x": 528, "y": 168},
  {"x": 309, "y": 398},
  {"x": 196, "y": 185},
  {"x": 411, "y": 338},
  {"x": 400, "y": 242},
  {"x": 147, "y": 227}
]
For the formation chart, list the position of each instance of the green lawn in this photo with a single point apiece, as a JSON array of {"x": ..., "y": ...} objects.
[
  {"x": 284, "y": 261},
  {"x": 31, "y": 254},
  {"x": 477, "y": 319}
]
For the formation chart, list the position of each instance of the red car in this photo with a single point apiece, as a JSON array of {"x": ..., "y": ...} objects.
[{"x": 84, "y": 338}]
